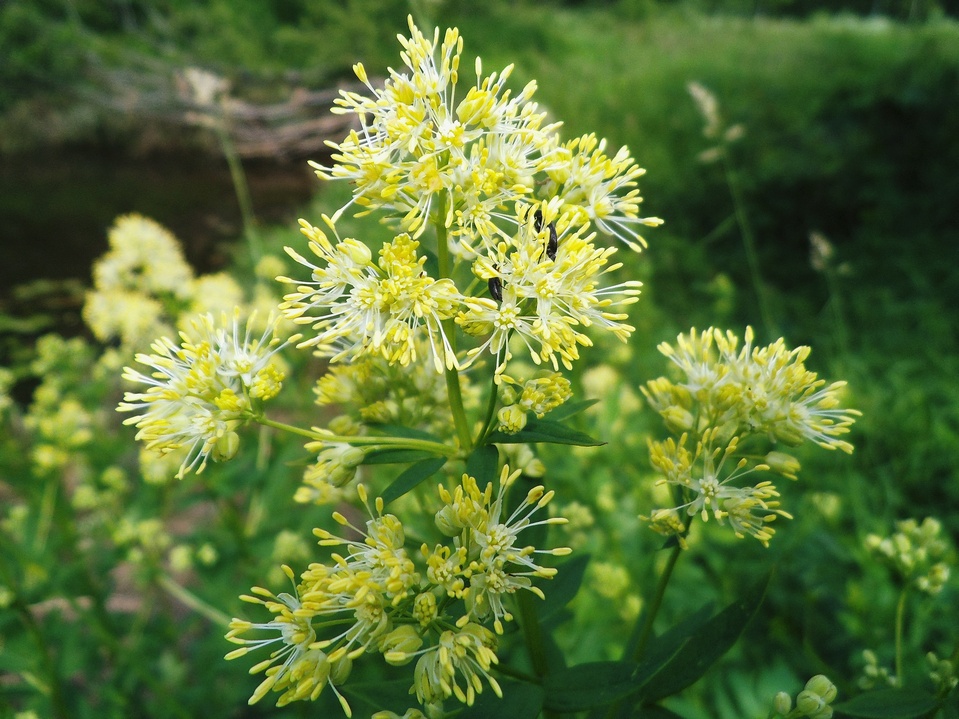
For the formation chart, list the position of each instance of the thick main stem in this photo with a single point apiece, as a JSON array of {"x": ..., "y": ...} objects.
[{"x": 449, "y": 327}]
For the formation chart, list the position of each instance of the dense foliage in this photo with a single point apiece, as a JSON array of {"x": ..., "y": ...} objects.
[{"x": 833, "y": 148}]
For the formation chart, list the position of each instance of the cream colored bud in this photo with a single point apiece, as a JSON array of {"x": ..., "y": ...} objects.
[
  {"x": 783, "y": 463},
  {"x": 226, "y": 447},
  {"x": 512, "y": 419},
  {"x": 399, "y": 646},
  {"x": 340, "y": 670},
  {"x": 782, "y": 704},
  {"x": 788, "y": 434},
  {"x": 677, "y": 419},
  {"x": 821, "y": 685}
]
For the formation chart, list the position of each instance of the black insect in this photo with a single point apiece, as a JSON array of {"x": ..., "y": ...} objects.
[
  {"x": 538, "y": 220},
  {"x": 552, "y": 244},
  {"x": 496, "y": 286}
]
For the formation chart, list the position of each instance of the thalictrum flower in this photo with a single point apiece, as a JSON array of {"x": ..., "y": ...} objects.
[
  {"x": 359, "y": 307},
  {"x": 201, "y": 391}
]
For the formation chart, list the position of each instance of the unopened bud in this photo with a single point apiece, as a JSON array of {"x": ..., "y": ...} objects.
[
  {"x": 226, "y": 447},
  {"x": 783, "y": 463},
  {"x": 782, "y": 704}
]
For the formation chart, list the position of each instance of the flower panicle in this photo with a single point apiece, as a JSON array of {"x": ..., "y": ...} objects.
[
  {"x": 201, "y": 391},
  {"x": 371, "y": 598}
]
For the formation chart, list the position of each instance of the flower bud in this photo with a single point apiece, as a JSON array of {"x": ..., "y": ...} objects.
[
  {"x": 821, "y": 685},
  {"x": 340, "y": 670},
  {"x": 226, "y": 447},
  {"x": 788, "y": 434},
  {"x": 677, "y": 419},
  {"x": 399, "y": 646},
  {"x": 783, "y": 463},
  {"x": 782, "y": 704},
  {"x": 511, "y": 419},
  {"x": 811, "y": 705}
]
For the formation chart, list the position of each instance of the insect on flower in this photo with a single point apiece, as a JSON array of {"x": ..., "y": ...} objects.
[
  {"x": 552, "y": 244},
  {"x": 496, "y": 286}
]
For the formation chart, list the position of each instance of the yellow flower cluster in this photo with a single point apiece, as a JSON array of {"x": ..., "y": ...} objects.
[
  {"x": 373, "y": 598},
  {"x": 365, "y": 308},
  {"x": 501, "y": 189},
  {"x": 200, "y": 392},
  {"x": 728, "y": 396}
]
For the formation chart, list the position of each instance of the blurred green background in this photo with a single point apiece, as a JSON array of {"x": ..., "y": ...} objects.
[{"x": 848, "y": 116}]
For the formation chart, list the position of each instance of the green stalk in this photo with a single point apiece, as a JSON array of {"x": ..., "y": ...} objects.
[
  {"x": 449, "y": 327},
  {"x": 490, "y": 412},
  {"x": 240, "y": 186},
  {"x": 643, "y": 630},
  {"x": 749, "y": 245},
  {"x": 649, "y": 616},
  {"x": 900, "y": 620},
  {"x": 533, "y": 635},
  {"x": 189, "y": 599},
  {"x": 377, "y": 441}
]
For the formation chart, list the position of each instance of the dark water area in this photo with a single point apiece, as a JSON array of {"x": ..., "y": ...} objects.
[{"x": 55, "y": 209}]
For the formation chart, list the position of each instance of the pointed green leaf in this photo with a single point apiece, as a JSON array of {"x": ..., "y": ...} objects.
[
  {"x": 889, "y": 704},
  {"x": 365, "y": 698},
  {"x": 399, "y": 430},
  {"x": 396, "y": 456},
  {"x": 520, "y": 701},
  {"x": 585, "y": 686},
  {"x": 483, "y": 464},
  {"x": 565, "y": 411},
  {"x": 655, "y": 711},
  {"x": 544, "y": 430},
  {"x": 561, "y": 589},
  {"x": 702, "y": 646},
  {"x": 411, "y": 477}
]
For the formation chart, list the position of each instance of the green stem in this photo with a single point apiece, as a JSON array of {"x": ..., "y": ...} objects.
[
  {"x": 749, "y": 245},
  {"x": 384, "y": 441},
  {"x": 533, "y": 635},
  {"x": 490, "y": 412},
  {"x": 449, "y": 327},
  {"x": 649, "y": 616},
  {"x": 240, "y": 186},
  {"x": 900, "y": 621},
  {"x": 189, "y": 599}
]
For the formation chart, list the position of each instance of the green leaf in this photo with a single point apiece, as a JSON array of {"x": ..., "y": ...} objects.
[
  {"x": 595, "y": 684},
  {"x": 655, "y": 711},
  {"x": 411, "y": 477},
  {"x": 565, "y": 411},
  {"x": 561, "y": 589},
  {"x": 701, "y": 644},
  {"x": 396, "y": 456},
  {"x": 483, "y": 464},
  {"x": 368, "y": 697},
  {"x": 889, "y": 704},
  {"x": 950, "y": 710},
  {"x": 520, "y": 701},
  {"x": 399, "y": 430},
  {"x": 544, "y": 430}
]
